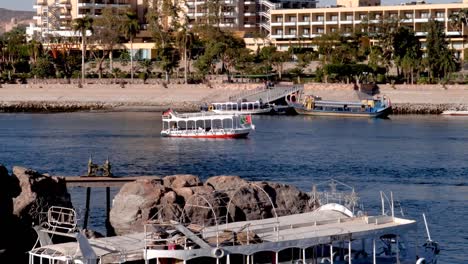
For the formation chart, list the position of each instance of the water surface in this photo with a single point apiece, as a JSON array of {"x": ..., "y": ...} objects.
[{"x": 422, "y": 159}]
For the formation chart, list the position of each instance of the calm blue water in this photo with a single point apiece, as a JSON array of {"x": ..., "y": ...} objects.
[{"x": 423, "y": 160}]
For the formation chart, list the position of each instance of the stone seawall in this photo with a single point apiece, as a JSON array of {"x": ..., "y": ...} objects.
[{"x": 409, "y": 99}]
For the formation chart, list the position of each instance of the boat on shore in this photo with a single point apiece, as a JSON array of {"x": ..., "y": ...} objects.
[
  {"x": 337, "y": 232},
  {"x": 205, "y": 125},
  {"x": 455, "y": 113},
  {"x": 379, "y": 107}
]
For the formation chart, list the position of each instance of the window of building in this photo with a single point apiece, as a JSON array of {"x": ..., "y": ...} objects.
[
  {"x": 306, "y": 31},
  {"x": 362, "y": 16},
  {"x": 334, "y": 30},
  {"x": 409, "y": 15},
  {"x": 279, "y": 32},
  {"x": 292, "y": 31},
  {"x": 292, "y": 19},
  {"x": 279, "y": 19},
  {"x": 320, "y": 30},
  {"x": 424, "y": 15},
  {"x": 334, "y": 18},
  {"x": 306, "y": 18},
  {"x": 440, "y": 14},
  {"x": 319, "y": 18},
  {"x": 349, "y": 17}
]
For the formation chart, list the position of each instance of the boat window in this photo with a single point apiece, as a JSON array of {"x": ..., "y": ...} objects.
[
  {"x": 223, "y": 107},
  {"x": 229, "y": 107},
  {"x": 181, "y": 125},
  {"x": 244, "y": 106},
  {"x": 190, "y": 124},
  {"x": 217, "y": 124},
  {"x": 255, "y": 106},
  {"x": 227, "y": 123},
  {"x": 200, "y": 124}
]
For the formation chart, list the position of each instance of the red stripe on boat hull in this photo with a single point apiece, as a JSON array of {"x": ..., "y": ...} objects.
[{"x": 243, "y": 135}]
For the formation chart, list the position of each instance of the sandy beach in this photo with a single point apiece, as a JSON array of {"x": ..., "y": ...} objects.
[{"x": 21, "y": 97}]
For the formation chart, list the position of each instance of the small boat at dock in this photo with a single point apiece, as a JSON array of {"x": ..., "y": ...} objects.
[
  {"x": 205, "y": 125},
  {"x": 379, "y": 107},
  {"x": 455, "y": 113},
  {"x": 251, "y": 108}
]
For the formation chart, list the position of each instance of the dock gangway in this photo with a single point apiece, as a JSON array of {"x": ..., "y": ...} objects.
[{"x": 267, "y": 94}]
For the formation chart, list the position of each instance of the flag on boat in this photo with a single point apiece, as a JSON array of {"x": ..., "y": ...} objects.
[
  {"x": 167, "y": 112},
  {"x": 246, "y": 120}
]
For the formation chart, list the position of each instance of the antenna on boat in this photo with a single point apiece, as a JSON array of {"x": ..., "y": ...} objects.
[
  {"x": 383, "y": 202},
  {"x": 427, "y": 228},
  {"x": 393, "y": 206}
]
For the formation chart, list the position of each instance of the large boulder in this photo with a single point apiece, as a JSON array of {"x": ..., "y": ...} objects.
[
  {"x": 179, "y": 181},
  {"x": 9, "y": 189},
  {"x": 182, "y": 198},
  {"x": 288, "y": 199},
  {"x": 136, "y": 203},
  {"x": 226, "y": 183},
  {"x": 38, "y": 193},
  {"x": 25, "y": 196}
]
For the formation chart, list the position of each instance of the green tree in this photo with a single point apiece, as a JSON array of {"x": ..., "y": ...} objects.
[
  {"x": 439, "y": 60},
  {"x": 43, "y": 68},
  {"x": 130, "y": 27},
  {"x": 83, "y": 25},
  {"x": 106, "y": 36},
  {"x": 407, "y": 52}
]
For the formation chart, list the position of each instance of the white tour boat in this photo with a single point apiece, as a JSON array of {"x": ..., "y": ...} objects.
[
  {"x": 337, "y": 232},
  {"x": 205, "y": 125},
  {"x": 253, "y": 108}
]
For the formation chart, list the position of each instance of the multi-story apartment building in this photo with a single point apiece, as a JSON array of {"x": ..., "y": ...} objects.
[
  {"x": 240, "y": 15},
  {"x": 55, "y": 17},
  {"x": 301, "y": 26}
]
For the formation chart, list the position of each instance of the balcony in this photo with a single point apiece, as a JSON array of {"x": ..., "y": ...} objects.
[{"x": 250, "y": 14}]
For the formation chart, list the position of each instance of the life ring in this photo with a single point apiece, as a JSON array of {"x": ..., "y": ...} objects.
[
  {"x": 217, "y": 253},
  {"x": 210, "y": 108}
]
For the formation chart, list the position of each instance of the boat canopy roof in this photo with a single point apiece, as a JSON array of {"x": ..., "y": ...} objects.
[
  {"x": 176, "y": 117},
  {"x": 337, "y": 103}
]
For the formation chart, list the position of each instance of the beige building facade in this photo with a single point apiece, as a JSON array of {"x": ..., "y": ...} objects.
[
  {"x": 55, "y": 17},
  {"x": 302, "y": 26}
]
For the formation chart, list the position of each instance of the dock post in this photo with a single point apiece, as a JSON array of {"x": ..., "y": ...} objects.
[
  {"x": 349, "y": 252},
  {"x": 374, "y": 256},
  {"x": 331, "y": 253},
  {"x": 303, "y": 256},
  {"x": 86, "y": 216},
  {"x": 276, "y": 257}
]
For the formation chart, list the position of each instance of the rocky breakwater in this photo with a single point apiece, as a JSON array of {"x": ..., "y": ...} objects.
[
  {"x": 25, "y": 197},
  {"x": 224, "y": 198},
  {"x": 424, "y": 109}
]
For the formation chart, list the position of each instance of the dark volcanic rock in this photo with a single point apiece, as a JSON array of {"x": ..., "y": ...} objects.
[
  {"x": 179, "y": 181},
  {"x": 136, "y": 203},
  {"x": 182, "y": 198},
  {"x": 25, "y": 197},
  {"x": 38, "y": 193}
]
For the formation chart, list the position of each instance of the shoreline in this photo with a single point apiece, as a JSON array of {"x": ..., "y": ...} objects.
[{"x": 188, "y": 98}]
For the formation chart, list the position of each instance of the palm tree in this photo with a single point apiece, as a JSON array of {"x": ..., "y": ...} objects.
[
  {"x": 185, "y": 40},
  {"x": 459, "y": 19},
  {"x": 130, "y": 28},
  {"x": 83, "y": 25}
]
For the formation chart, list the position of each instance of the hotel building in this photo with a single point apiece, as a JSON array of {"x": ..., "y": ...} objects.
[
  {"x": 301, "y": 26},
  {"x": 284, "y": 22}
]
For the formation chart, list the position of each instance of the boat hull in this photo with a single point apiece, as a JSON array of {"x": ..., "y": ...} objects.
[
  {"x": 206, "y": 134},
  {"x": 383, "y": 113},
  {"x": 455, "y": 113}
]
